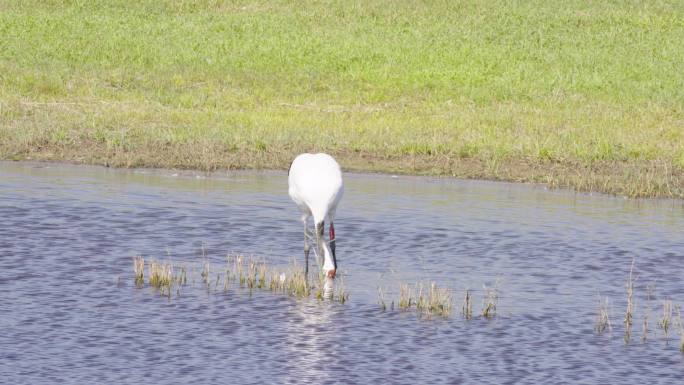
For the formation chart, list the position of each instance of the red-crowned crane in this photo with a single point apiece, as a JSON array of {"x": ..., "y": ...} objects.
[{"x": 315, "y": 185}]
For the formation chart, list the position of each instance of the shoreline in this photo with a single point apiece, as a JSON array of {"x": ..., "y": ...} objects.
[{"x": 630, "y": 179}]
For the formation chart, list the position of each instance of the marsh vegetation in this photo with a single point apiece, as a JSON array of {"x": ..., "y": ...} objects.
[
  {"x": 239, "y": 272},
  {"x": 427, "y": 299},
  {"x": 670, "y": 315}
]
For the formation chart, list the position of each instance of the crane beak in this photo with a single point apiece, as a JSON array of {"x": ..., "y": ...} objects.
[{"x": 331, "y": 272}]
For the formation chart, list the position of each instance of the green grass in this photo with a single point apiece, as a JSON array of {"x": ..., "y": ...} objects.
[{"x": 576, "y": 93}]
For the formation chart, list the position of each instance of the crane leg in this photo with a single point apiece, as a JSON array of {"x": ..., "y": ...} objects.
[
  {"x": 319, "y": 243},
  {"x": 307, "y": 248}
]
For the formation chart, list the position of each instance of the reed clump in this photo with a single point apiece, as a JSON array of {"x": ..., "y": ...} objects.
[
  {"x": 434, "y": 300},
  {"x": 226, "y": 279},
  {"x": 263, "y": 275},
  {"x": 630, "y": 299},
  {"x": 181, "y": 278},
  {"x": 669, "y": 319},
  {"x": 629, "y": 313},
  {"x": 491, "y": 300},
  {"x": 276, "y": 280},
  {"x": 205, "y": 273},
  {"x": 245, "y": 272},
  {"x": 467, "y": 307},
  {"x": 603, "y": 316},
  {"x": 139, "y": 270},
  {"x": 161, "y": 276},
  {"x": 381, "y": 298},
  {"x": 238, "y": 268},
  {"x": 218, "y": 280},
  {"x": 296, "y": 284},
  {"x": 291, "y": 282},
  {"x": 644, "y": 328},
  {"x": 405, "y": 296},
  {"x": 680, "y": 327},
  {"x": 340, "y": 294},
  {"x": 665, "y": 321},
  {"x": 323, "y": 291},
  {"x": 253, "y": 274},
  {"x": 647, "y": 314},
  {"x": 428, "y": 299},
  {"x": 251, "y": 278}
]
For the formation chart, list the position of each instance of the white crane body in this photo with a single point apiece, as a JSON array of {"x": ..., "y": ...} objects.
[{"x": 315, "y": 185}]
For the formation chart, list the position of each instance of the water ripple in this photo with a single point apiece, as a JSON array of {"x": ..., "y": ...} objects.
[{"x": 71, "y": 314}]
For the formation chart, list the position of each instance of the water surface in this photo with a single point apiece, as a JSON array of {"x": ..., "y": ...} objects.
[{"x": 70, "y": 312}]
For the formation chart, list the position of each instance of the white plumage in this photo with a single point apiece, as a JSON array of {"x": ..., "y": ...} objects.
[{"x": 315, "y": 185}]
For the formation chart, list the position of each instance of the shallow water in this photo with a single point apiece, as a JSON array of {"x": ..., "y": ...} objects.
[{"x": 70, "y": 312}]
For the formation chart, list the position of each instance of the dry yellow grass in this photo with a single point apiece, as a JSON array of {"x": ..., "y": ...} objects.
[
  {"x": 246, "y": 272},
  {"x": 161, "y": 276},
  {"x": 139, "y": 270},
  {"x": 428, "y": 299}
]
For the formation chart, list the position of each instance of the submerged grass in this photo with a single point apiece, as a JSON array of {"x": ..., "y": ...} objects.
[
  {"x": 467, "y": 307},
  {"x": 294, "y": 283},
  {"x": 680, "y": 327},
  {"x": 340, "y": 292},
  {"x": 665, "y": 322},
  {"x": 629, "y": 313},
  {"x": 246, "y": 272},
  {"x": 554, "y": 92},
  {"x": 139, "y": 270},
  {"x": 205, "y": 273},
  {"x": 427, "y": 299},
  {"x": 603, "y": 316},
  {"x": 491, "y": 300},
  {"x": 644, "y": 328},
  {"x": 669, "y": 319},
  {"x": 382, "y": 301},
  {"x": 405, "y": 296},
  {"x": 161, "y": 276},
  {"x": 647, "y": 314},
  {"x": 434, "y": 300}
]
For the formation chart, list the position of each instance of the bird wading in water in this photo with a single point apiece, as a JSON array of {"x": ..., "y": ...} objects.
[{"x": 315, "y": 185}]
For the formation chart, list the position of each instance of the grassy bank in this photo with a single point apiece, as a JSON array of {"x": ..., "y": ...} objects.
[{"x": 582, "y": 94}]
